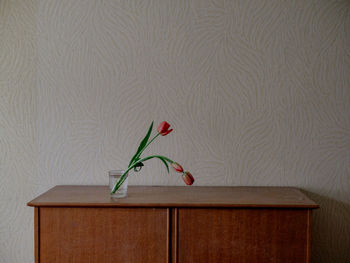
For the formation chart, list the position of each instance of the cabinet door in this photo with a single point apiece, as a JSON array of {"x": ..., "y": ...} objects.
[
  {"x": 243, "y": 235},
  {"x": 102, "y": 235}
]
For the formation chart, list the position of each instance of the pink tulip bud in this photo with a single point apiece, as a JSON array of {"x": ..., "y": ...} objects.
[
  {"x": 163, "y": 128},
  {"x": 177, "y": 167},
  {"x": 188, "y": 178}
]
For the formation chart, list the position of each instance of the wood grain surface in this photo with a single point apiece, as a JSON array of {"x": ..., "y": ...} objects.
[
  {"x": 243, "y": 235},
  {"x": 148, "y": 196},
  {"x": 103, "y": 235}
]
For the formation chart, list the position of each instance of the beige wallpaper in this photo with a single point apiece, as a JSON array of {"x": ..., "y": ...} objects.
[{"x": 258, "y": 93}]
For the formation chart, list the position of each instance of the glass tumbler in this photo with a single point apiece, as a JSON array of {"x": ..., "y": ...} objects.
[{"x": 114, "y": 176}]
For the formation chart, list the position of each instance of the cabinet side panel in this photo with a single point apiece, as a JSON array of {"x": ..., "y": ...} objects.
[
  {"x": 243, "y": 235},
  {"x": 36, "y": 234},
  {"x": 174, "y": 236},
  {"x": 309, "y": 239},
  {"x": 106, "y": 235}
]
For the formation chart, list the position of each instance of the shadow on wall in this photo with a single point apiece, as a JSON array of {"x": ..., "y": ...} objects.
[{"x": 330, "y": 230}]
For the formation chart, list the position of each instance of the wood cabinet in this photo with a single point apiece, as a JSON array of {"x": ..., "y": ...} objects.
[{"x": 173, "y": 224}]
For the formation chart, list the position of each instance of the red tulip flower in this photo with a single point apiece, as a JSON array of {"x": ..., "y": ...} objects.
[
  {"x": 163, "y": 128},
  {"x": 188, "y": 178},
  {"x": 177, "y": 167}
]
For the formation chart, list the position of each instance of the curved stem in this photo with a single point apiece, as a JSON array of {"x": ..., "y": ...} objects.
[
  {"x": 137, "y": 156},
  {"x": 124, "y": 176},
  {"x": 150, "y": 142},
  {"x": 141, "y": 151},
  {"x": 155, "y": 156}
]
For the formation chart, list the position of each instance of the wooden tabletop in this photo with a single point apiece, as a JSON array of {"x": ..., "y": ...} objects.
[{"x": 173, "y": 196}]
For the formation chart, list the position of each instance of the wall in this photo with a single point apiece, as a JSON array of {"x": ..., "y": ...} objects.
[
  {"x": 257, "y": 92},
  {"x": 19, "y": 144}
]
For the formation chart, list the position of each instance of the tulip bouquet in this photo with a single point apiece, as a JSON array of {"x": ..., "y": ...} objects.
[{"x": 136, "y": 161}]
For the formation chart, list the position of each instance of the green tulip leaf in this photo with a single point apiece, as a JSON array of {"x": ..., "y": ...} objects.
[
  {"x": 142, "y": 145},
  {"x": 165, "y": 163},
  {"x": 145, "y": 140}
]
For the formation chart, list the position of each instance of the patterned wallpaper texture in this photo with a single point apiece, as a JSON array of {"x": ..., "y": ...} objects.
[{"x": 258, "y": 93}]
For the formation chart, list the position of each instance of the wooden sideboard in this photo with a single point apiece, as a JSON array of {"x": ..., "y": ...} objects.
[{"x": 173, "y": 224}]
